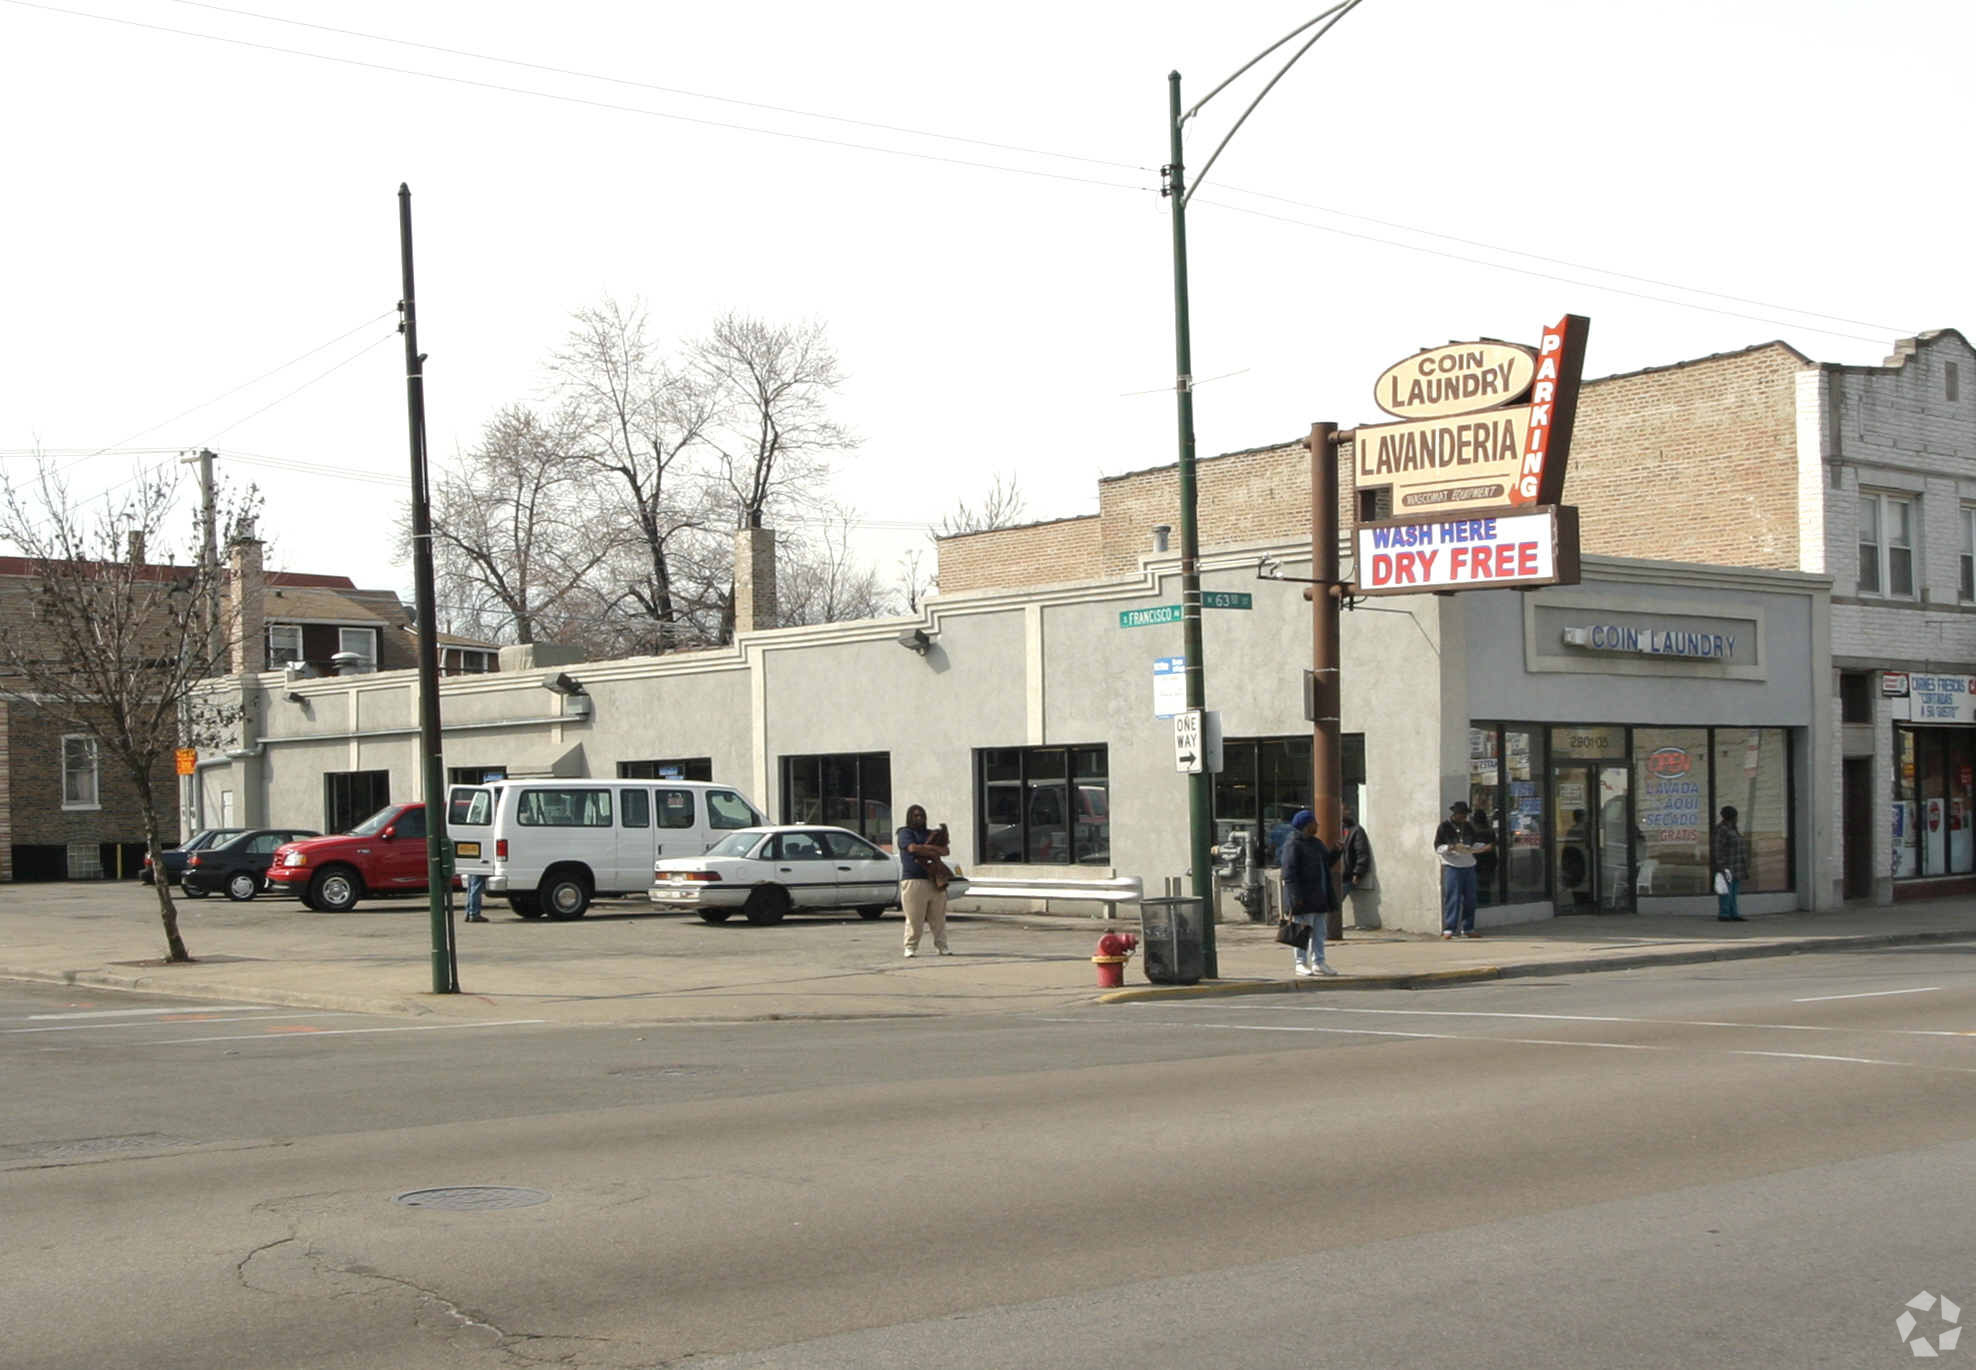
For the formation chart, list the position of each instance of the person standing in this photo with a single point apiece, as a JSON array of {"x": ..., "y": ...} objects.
[
  {"x": 1306, "y": 863},
  {"x": 476, "y": 892},
  {"x": 1731, "y": 858},
  {"x": 922, "y": 897},
  {"x": 1456, "y": 845},
  {"x": 1355, "y": 867}
]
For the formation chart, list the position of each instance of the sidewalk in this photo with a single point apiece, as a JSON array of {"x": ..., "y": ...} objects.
[{"x": 623, "y": 964}]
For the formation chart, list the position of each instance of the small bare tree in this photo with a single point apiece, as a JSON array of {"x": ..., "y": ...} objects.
[
  {"x": 114, "y": 647},
  {"x": 818, "y": 580},
  {"x": 1001, "y": 507}
]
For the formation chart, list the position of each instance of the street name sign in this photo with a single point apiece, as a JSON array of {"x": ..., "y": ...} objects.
[
  {"x": 1143, "y": 618},
  {"x": 1227, "y": 599}
]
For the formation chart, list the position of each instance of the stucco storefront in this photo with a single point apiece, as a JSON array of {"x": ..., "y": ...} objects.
[{"x": 1028, "y": 723}]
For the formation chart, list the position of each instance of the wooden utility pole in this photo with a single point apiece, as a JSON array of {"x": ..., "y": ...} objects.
[{"x": 1326, "y": 759}]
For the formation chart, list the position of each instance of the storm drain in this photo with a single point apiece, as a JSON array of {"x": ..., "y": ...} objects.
[{"x": 472, "y": 1198}]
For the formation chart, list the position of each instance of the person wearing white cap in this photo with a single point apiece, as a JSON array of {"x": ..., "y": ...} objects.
[{"x": 1307, "y": 889}]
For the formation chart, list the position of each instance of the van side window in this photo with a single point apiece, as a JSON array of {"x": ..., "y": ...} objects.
[
  {"x": 470, "y": 808},
  {"x": 570, "y": 808},
  {"x": 634, "y": 809},
  {"x": 676, "y": 809},
  {"x": 726, "y": 809}
]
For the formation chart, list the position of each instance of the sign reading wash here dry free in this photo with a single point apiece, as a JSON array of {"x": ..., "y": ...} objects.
[{"x": 1478, "y": 551}]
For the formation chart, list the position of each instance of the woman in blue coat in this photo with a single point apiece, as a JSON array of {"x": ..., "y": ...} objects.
[{"x": 1307, "y": 889}]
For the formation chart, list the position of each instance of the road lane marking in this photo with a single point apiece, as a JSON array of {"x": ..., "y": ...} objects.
[
  {"x": 145, "y": 1012},
  {"x": 1871, "y": 994},
  {"x": 1606, "y": 1018},
  {"x": 274, "y": 1036},
  {"x": 153, "y": 1022}
]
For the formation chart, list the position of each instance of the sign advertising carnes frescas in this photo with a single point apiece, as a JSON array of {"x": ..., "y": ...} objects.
[{"x": 1486, "y": 424}]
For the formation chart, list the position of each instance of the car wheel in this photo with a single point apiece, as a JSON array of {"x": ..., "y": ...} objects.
[
  {"x": 242, "y": 886},
  {"x": 335, "y": 890},
  {"x": 192, "y": 891},
  {"x": 525, "y": 905},
  {"x": 871, "y": 913},
  {"x": 564, "y": 897},
  {"x": 715, "y": 915},
  {"x": 766, "y": 905}
]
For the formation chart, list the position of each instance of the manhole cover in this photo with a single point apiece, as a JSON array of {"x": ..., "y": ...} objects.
[{"x": 472, "y": 1197}]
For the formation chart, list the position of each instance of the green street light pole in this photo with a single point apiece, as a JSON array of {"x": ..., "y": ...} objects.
[{"x": 1200, "y": 832}]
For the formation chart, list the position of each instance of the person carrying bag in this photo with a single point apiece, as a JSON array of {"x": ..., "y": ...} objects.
[{"x": 1307, "y": 894}]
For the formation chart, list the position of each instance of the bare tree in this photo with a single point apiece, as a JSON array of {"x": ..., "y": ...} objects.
[
  {"x": 1001, "y": 507},
  {"x": 637, "y": 418},
  {"x": 512, "y": 539},
  {"x": 774, "y": 385},
  {"x": 913, "y": 579},
  {"x": 114, "y": 648},
  {"x": 818, "y": 580}
]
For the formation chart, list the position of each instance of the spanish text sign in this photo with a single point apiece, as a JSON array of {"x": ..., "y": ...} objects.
[{"x": 1480, "y": 551}]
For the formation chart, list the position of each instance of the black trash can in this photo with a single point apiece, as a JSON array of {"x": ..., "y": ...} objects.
[{"x": 1171, "y": 939}]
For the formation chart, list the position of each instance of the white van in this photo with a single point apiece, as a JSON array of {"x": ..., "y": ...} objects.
[{"x": 551, "y": 846}]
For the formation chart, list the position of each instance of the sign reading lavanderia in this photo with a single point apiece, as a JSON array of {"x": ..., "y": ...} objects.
[{"x": 1475, "y": 467}]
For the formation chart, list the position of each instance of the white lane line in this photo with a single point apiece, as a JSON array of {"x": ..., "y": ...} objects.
[
  {"x": 1603, "y": 1018},
  {"x": 336, "y": 1032},
  {"x": 1472, "y": 1040},
  {"x": 186, "y": 1018},
  {"x": 1871, "y": 994},
  {"x": 143, "y": 1012}
]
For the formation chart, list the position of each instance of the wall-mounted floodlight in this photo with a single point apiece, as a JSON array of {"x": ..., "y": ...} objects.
[
  {"x": 296, "y": 697},
  {"x": 915, "y": 640},
  {"x": 563, "y": 683}
]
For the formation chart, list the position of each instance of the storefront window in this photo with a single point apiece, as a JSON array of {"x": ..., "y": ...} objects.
[
  {"x": 1962, "y": 802},
  {"x": 1043, "y": 806},
  {"x": 849, "y": 790},
  {"x": 1265, "y": 780},
  {"x": 1485, "y": 808},
  {"x": 1907, "y": 846},
  {"x": 1753, "y": 773},
  {"x": 1671, "y": 813},
  {"x": 1520, "y": 828}
]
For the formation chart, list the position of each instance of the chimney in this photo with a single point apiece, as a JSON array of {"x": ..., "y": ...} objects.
[
  {"x": 247, "y": 591},
  {"x": 754, "y": 579},
  {"x": 136, "y": 536}
]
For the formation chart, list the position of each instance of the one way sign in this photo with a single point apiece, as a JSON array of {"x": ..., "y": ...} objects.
[{"x": 1197, "y": 741}]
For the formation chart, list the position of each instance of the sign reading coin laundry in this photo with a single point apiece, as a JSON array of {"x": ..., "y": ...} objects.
[
  {"x": 1470, "y": 442},
  {"x": 1461, "y": 378},
  {"x": 1502, "y": 551},
  {"x": 1684, "y": 642}
]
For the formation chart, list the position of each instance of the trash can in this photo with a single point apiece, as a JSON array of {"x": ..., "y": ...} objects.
[{"x": 1171, "y": 939}]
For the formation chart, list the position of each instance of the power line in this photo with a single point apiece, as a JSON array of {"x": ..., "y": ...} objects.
[
  {"x": 666, "y": 90},
  {"x": 579, "y": 100}
]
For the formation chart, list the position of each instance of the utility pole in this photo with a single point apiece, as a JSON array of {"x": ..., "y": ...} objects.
[
  {"x": 1326, "y": 760},
  {"x": 445, "y": 961},
  {"x": 209, "y": 549},
  {"x": 1200, "y": 796}
]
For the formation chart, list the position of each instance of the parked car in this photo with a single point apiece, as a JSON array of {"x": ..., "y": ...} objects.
[
  {"x": 239, "y": 864},
  {"x": 551, "y": 846},
  {"x": 766, "y": 873},
  {"x": 173, "y": 858},
  {"x": 382, "y": 856}
]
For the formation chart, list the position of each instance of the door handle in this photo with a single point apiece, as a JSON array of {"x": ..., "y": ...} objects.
[{"x": 843, "y": 868}]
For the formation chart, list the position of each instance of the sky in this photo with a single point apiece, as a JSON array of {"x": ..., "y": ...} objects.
[{"x": 201, "y": 239}]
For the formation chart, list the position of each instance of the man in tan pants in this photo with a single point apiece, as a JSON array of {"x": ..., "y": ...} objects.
[{"x": 924, "y": 901}]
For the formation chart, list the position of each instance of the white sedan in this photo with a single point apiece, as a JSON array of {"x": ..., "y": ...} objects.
[{"x": 766, "y": 873}]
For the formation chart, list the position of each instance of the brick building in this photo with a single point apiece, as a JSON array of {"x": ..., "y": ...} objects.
[
  {"x": 1760, "y": 458},
  {"x": 68, "y": 813}
]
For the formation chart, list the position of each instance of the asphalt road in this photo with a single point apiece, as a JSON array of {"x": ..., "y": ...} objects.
[{"x": 1754, "y": 1164}]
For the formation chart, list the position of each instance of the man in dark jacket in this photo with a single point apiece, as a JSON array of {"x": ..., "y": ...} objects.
[
  {"x": 1730, "y": 852},
  {"x": 1354, "y": 862},
  {"x": 1307, "y": 889}
]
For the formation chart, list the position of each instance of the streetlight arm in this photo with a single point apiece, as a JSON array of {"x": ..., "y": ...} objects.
[
  {"x": 1344, "y": 4},
  {"x": 1334, "y": 14}
]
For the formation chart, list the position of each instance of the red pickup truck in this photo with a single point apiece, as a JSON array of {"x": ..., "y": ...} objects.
[{"x": 382, "y": 856}]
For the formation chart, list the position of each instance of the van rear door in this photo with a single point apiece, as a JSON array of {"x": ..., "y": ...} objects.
[{"x": 470, "y": 828}]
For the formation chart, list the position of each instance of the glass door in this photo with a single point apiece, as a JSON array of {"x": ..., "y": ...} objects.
[{"x": 1592, "y": 838}]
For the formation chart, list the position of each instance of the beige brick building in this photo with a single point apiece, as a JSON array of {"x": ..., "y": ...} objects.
[{"x": 1760, "y": 458}]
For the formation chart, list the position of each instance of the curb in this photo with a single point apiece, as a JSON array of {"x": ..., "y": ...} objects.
[
  {"x": 1581, "y": 966},
  {"x": 212, "y": 989}
]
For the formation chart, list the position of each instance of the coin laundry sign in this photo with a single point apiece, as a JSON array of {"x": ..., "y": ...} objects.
[{"x": 1475, "y": 469}]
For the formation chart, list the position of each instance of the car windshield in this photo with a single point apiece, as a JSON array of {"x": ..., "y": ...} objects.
[
  {"x": 375, "y": 824},
  {"x": 735, "y": 844}
]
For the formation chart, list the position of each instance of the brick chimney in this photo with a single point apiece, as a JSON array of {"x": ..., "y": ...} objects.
[
  {"x": 247, "y": 591},
  {"x": 754, "y": 579}
]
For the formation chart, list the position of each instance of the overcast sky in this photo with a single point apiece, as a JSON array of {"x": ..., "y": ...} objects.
[{"x": 966, "y": 199}]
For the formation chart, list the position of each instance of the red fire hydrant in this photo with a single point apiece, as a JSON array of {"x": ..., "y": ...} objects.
[{"x": 1113, "y": 949}]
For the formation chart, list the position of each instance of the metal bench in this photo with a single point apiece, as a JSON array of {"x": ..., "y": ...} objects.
[{"x": 1125, "y": 889}]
